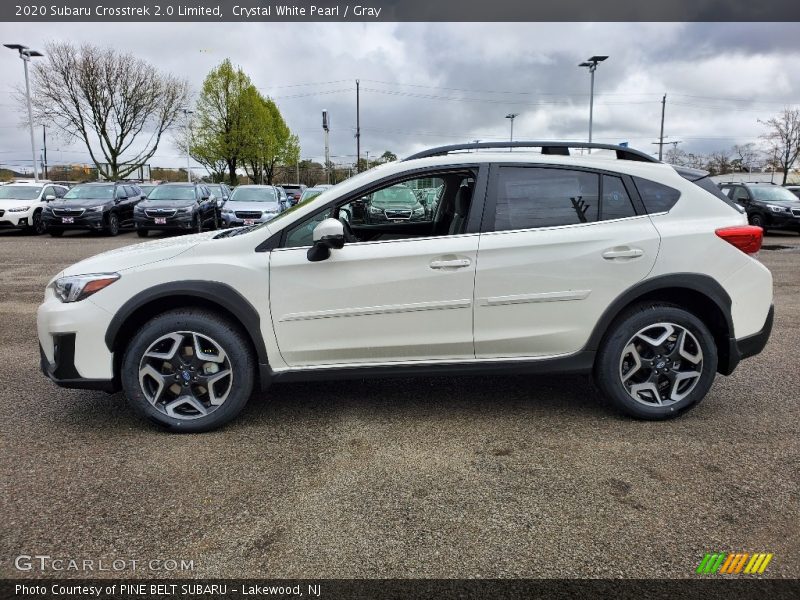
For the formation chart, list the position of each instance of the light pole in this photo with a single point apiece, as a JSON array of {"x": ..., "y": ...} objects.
[
  {"x": 511, "y": 116},
  {"x": 591, "y": 64},
  {"x": 186, "y": 113},
  {"x": 26, "y": 54},
  {"x": 326, "y": 129}
]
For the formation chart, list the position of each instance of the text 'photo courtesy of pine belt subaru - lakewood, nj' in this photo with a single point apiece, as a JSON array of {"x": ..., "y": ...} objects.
[{"x": 545, "y": 260}]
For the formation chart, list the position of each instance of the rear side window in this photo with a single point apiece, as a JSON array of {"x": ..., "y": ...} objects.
[
  {"x": 656, "y": 197},
  {"x": 530, "y": 197},
  {"x": 616, "y": 201}
]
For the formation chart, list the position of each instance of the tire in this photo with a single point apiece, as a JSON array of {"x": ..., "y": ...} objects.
[
  {"x": 198, "y": 224},
  {"x": 112, "y": 226},
  {"x": 37, "y": 226},
  {"x": 758, "y": 221},
  {"x": 175, "y": 404},
  {"x": 215, "y": 223},
  {"x": 142, "y": 233},
  {"x": 631, "y": 388},
  {"x": 55, "y": 232}
]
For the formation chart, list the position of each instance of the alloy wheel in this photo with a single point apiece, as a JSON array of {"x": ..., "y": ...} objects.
[
  {"x": 661, "y": 364},
  {"x": 185, "y": 375}
]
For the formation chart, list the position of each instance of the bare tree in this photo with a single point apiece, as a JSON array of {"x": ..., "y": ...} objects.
[
  {"x": 719, "y": 163},
  {"x": 108, "y": 101},
  {"x": 745, "y": 156},
  {"x": 783, "y": 138}
]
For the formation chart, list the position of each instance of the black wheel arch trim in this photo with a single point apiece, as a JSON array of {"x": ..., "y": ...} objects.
[
  {"x": 210, "y": 291},
  {"x": 695, "y": 282}
]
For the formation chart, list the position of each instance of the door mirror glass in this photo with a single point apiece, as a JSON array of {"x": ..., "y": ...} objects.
[
  {"x": 49, "y": 197},
  {"x": 329, "y": 234}
]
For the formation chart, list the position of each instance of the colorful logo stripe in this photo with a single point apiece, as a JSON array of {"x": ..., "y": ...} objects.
[{"x": 734, "y": 563}]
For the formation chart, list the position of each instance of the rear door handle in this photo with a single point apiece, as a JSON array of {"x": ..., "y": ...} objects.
[
  {"x": 622, "y": 252},
  {"x": 458, "y": 263}
]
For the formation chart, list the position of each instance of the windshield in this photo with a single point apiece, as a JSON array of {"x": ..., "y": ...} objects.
[
  {"x": 19, "y": 192},
  {"x": 311, "y": 193},
  {"x": 171, "y": 192},
  {"x": 767, "y": 193},
  {"x": 146, "y": 188},
  {"x": 254, "y": 194},
  {"x": 397, "y": 194},
  {"x": 90, "y": 192}
]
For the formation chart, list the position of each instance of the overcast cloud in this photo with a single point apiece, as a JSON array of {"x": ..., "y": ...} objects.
[{"x": 430, "y": 84}]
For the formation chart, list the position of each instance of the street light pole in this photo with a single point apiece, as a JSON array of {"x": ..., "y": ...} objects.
[
  {"x": 26, "y": 54},
  {"x": 512, "y": 116},
  {"x": 591, "y": 64},
  {"x": 186, "y": 113}
]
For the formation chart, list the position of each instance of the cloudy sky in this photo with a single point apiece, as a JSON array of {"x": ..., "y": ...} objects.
[{"x": 429, "y": 84}]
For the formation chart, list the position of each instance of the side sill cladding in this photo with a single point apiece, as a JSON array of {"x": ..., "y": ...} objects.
[{"x": 210, "y": 292}]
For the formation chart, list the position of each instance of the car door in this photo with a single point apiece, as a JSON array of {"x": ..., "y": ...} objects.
[
  {"x": 384, "y": 301},
  {"x": 558, "y": 246}
]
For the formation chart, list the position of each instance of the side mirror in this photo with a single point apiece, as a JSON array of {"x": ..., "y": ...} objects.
[
  {"x": 327, "y": 235},
  {"x": 49, "y": 198}
]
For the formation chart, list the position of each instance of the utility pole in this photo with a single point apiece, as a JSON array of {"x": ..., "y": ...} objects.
[
  {"x": 186, "y": 113},
  {"x": 358, "y": 123},
  {"x": 44, "y": 147},
  {"x": 511, "y": 116},
  {"x": 326, "y": 129},
  {"x": 661, "y": 137},
  {"x": 591, "y": 64},
  {"x": 26, "y": 54}
]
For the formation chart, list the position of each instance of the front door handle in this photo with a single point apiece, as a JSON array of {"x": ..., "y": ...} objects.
[
  {"x": 458, "y": 263},
  {"x": 622, "y": 252}
]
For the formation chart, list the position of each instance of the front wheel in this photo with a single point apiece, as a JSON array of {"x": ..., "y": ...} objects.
[
  {"x": 758, "y": 221},
  {"x": 188, "y": 370},
  {"x": 37, "y": 225},
  {"x": 656, "y": 362},
  {"x": 112, "y": 226}
]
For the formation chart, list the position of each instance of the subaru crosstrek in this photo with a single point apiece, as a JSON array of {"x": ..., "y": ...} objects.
[
  {"x": 607, "y": 263},
  {"x": 21, "y": 205}
]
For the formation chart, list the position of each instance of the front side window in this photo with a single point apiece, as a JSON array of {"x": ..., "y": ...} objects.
[
  {"x": 657, "y": 197},
  {"x": 531, "y": 197},
  {"x": 740, "y": 195}
]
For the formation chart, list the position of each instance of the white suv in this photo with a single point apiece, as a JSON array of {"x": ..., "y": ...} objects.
[
  {"x": 528, "y": 262},
  {"x": 21, "y": 204}
]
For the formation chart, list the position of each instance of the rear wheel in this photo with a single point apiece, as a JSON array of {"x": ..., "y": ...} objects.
[
  {"x": 657, "y": 361},
  {"x": 188, "y": 370}
]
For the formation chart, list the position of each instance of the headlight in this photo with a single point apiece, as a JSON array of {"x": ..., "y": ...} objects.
[
  {"x": 95, "y": 209},
  {"x": 375, "y": 210},
  {"x": 419, "y": 211},
  {"x": 227, "y": 211},
  {"x": 774, "y": 208},
  {"x": 74, "y": 288},
  {"x": 185, "y": 209},
  {"x": 19, "y": 209}
]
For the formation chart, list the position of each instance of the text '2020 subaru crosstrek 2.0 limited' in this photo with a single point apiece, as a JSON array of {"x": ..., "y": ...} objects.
[{"x": 607, "y": 263}]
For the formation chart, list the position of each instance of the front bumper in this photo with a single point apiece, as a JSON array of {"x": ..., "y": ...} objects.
[
  {"x": 748, "y": 346},
  {"x": 88, "y": 220},
  {"x": 71, "y": 343},
  {"x": 14, "y": 220},
  {"x": 784, "y": 220},
  {"x": 177, "y": 221}
]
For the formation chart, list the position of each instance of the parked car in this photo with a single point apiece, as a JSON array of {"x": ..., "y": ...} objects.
[
  {"x": 102, "y": 206},
  {"x": 21, "y": 204},
  {"x": 293, "y": 191},
  {"x": 221, "y": 193},
  {"x": 177, "y": 207},
  {"x": 795, "y": 189},
  {"x": 251, "y": 204},
  {"x": 531, "y": 263},
  {"x": 768, "y": 206},
  {"x": 393, "y": 204},
  {"x": 283, "y": 198},
  {"x": 147, "y": 187},
  {"x": 311, "y": 192}
]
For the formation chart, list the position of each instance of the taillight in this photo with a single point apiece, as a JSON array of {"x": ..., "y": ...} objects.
[{"x": 746, "y": 238}]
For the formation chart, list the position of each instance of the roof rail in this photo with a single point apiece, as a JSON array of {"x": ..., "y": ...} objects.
[{"x": 560, "y": 148}]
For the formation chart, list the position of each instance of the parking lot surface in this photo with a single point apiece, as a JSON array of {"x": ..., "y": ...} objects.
[{"x": 439, "y": 477}]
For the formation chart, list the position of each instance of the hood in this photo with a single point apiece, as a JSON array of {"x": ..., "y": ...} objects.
[
  {"x": 259, "y": 206},
  {"x": 80, "y": 202},
  {"x": 784, "y": 203},
  {"x": 166, "y": 203},
  {"x": 137, "y": 255},
  {"x": 12, "y": 202}
]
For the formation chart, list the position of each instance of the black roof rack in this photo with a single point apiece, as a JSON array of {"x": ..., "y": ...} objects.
[{"x": 558, "y": 148}]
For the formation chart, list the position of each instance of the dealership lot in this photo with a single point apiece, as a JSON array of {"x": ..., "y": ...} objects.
[{"x": 439, "y": 477}]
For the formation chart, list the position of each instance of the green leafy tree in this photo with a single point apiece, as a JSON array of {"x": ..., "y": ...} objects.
[{"x": 223, "y": 129}]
